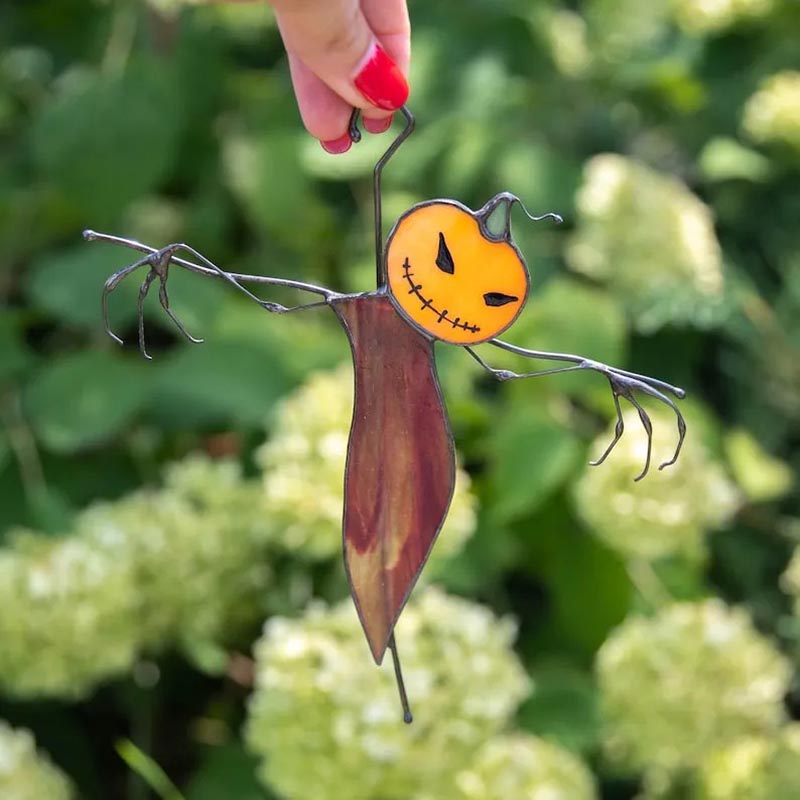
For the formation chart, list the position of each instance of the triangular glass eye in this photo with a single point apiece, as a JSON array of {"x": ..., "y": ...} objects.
[
  {"x": 498, "y": 298},
  {"x": 444, "y": 260}
]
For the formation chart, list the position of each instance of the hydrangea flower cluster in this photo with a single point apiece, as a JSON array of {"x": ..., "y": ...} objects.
[
  {"x": 320, "y": 700},
  {"x": 772, "y": 114},
  {"x": 790, "y": 580},
  {"x": 522, "y": 766},
  {"x": 679, "y": 505},
  {"x": 179, "y": 563},
  {"x": 566, "y": 35},
  {"x": 26, "y": 774},
  {"x": 630, "y": 215},
  {"x": 69, "y": 617},
  {"x": 713, "y": 16},
  {"x": 304, "y": 463},
  {"x": 692, "y": 679},
  {"x": 756, "y": 768}
]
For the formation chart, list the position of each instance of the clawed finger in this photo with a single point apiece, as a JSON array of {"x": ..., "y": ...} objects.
[
  {"x": 618, "y": 431},
  {"x": 163, "y": 298},
  {"x": 623, "y": 384}
]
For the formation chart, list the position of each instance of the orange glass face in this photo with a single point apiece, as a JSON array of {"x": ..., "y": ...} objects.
[{"x": 449, "y": 279}]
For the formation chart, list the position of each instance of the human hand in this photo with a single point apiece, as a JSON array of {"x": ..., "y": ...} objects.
[{"x": 345, "y": 54}]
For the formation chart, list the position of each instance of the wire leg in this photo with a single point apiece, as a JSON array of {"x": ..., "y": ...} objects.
[{"x": 398, "y": 674}]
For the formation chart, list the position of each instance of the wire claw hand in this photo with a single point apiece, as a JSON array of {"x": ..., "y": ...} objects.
[
  {"x": 625, "y": 384},
  {"x": 158, "y": 267}
]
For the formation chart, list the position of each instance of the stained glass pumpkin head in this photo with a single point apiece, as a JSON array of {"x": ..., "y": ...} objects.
[{"x": 451, "y": 276}]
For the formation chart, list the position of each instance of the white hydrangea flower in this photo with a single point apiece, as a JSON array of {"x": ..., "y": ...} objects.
[
  {"x": 790, "y": 580},
  {"x": 567, "y": 36},
  {"x": 700, "y": 17},
  {"x": 755, "y": 768},
  {"x": 304, "y": 464},
  {"x": 323, "y": 716},
  {"x": 694, "y": 678},
  {"x": 26, "y": 774},
  {"x": 670, "y": 510},
  {"x": 521, "y": 766},
  {"x": 651, "y": 239},
  {"x": 624, "y": 29},
  {"x": 185, "y": 563},
  {"x": 772, "y": 114},
  {"x": 69, "y": 617},
  {"x": 197, "y": 549}
]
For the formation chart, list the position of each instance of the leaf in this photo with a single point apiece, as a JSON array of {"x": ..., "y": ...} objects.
[
  {"x": 14, "y": 353},
  {"x": 228, "y": 771},
  {"x": 265, "y": 175},
  {"x": 530, "y": 457},
  {"x": 563, "y": 707},
  {"x": 107, "y": 139},
  {"x": 220, "y": 381},
  {"x": 760, "y": 476},
  {"x": 68, "y": 284},
  {"x": 590, "y": 590},
  {"x": 725, "y": 159},
  {"x": 82, "y": 399},
  {"x": 148, "y": 770}
]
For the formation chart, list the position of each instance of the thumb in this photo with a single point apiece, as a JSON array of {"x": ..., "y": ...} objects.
[{"x": 332, "y": 38}]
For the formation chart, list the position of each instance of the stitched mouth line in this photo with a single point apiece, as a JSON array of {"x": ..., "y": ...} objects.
[{"x": 416, "y": 289}]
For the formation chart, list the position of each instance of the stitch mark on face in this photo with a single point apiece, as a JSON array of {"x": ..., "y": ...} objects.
[{"x": 416, "y": 289}]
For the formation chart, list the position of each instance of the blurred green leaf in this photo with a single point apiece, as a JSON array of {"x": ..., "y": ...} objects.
[
  {"x": 530, "y": 457},
  {"x": 590, "y": 590},
  {"x": 108, "y": 138},
  {"x": 265, "y": 174},
  {"x": 228, "y": 771},
  {"x": 761, "y": 476},
  {"x": 68, "y": 285},
  {"x": 85, "y": 398},
  {"x": 15, "y": 356},
  {"x": 148, "y": 770},
  {"x": 725, "y": 159},
  {"x": 563, "y": 707},
  {"x": 218, "y": 382}
]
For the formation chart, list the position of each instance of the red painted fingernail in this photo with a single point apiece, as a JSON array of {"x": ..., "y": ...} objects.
[
  {"x": 377, "y": 125},
  {"x": 337, "y": 146},
  {"x": 379, "y": 79}
]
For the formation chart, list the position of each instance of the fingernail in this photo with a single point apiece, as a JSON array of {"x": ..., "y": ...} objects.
[
  {"x": 377, "y": 125},
  {"x": 379, "y": 79},
  {"x": 337, "y": 146}
]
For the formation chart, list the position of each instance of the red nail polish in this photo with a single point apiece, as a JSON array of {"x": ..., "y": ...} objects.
[
  {"x": 337, "y": 146},
  {"x": 379, "y": 79},
  {"x": 373, "y": 125}
]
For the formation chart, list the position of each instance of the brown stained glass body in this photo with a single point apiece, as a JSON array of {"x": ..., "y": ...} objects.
[{"x": 400, "y": 464}]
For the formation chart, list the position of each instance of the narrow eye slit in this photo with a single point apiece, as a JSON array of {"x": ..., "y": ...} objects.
[
  {"x": 498, "y": 299},
  {"x": 444, "y": 260}
]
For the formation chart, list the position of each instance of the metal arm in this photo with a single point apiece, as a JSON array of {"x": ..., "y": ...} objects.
[
  {"x": 158, "y": 262},
  {"x": 622, "y": 383}
]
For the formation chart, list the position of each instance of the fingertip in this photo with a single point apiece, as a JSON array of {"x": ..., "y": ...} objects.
[
  {"x": 337, "y": 146},
  {"x": 377, "y": 124}
]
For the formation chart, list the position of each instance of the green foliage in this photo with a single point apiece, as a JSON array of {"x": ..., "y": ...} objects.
[{"x": 154, "y": 515}]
